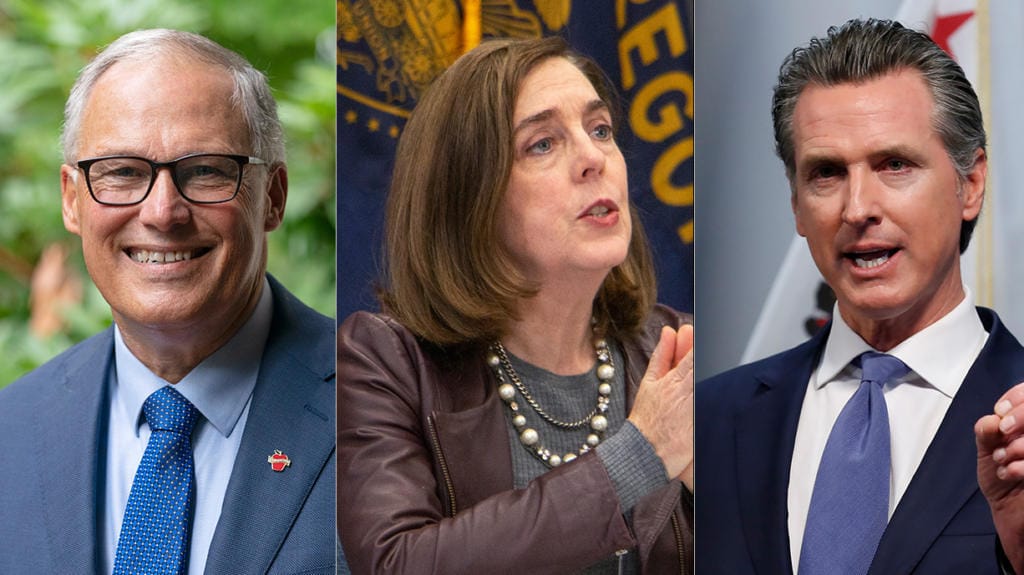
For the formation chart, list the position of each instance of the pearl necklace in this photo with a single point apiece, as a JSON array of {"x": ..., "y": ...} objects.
[{"x": 497, "y": 358}]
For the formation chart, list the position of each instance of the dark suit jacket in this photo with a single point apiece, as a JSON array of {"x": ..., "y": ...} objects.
[
  {"x": 53, "y": 426},
  {"x": 746, "y": 423}
]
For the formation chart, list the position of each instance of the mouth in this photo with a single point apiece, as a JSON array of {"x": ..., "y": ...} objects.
[
  {"x": 870, "y": 259},
  {"x": 600, "y": 209},
  {"x": 164, "y": 257}
]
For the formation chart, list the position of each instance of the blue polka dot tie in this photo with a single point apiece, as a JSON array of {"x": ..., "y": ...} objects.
[
  {"x": 850, "y": 502},
  {"x": 155, "y": 530}
]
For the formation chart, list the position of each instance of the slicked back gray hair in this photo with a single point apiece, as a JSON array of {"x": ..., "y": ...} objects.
[
  {"x": 251, "y": 93},
  {"x": 862, "y": 50}
]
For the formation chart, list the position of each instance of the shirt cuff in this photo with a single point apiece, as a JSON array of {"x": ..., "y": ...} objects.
[{"x": 635, "y": 469}]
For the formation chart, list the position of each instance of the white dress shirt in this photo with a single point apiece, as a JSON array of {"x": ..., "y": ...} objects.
[
  {"x": 939, "y": 356},
  {"x": 220, "y": 388}
]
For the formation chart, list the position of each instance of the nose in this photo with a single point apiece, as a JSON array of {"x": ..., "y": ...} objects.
[
  {"x": 590, "y": 157},
  {"x": 164, "y": 207},
  {"x": 861, "y": 206}
]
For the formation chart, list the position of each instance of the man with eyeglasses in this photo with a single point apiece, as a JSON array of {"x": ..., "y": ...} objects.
[{"x": 197, "y": 433}]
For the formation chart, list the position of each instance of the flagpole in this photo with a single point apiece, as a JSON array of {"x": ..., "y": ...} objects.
[{"x": 986, "y": 256}]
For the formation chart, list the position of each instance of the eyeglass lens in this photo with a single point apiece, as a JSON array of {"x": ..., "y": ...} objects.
[{"x": 207, "y": 178}]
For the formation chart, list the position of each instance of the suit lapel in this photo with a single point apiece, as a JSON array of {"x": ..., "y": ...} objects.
[
  {"x": 946, "y": 478},
  {"x": 766, "y": 430},
  {"x": 70, "y": 424},
  {"x": 286, "y": 414}
]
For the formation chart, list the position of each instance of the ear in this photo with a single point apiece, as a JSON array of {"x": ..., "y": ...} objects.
[
  {"x": 69, "y": 199},
  {"x": 972, "y": 194},
  {"x": 277, "y": 196}
]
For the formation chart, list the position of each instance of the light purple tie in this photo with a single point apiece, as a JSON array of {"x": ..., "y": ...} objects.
[{"x": 850, "y": 503}]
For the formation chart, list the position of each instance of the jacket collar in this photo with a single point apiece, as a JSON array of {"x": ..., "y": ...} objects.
[
  {"x": 766, "y": 431},
  {"x": 72, "y": 455},
  {"x": 946, "y": 477},
  {"x": 296, "y": 381}
]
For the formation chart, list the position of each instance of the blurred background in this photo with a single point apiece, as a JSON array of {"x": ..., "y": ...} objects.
[{"x": 47, "y": 301}]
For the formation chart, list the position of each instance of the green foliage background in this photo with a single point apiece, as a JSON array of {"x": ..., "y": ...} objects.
[{"x": 43, "y": 45}]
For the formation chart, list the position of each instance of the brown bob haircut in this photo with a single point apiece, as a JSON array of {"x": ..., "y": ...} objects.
[{"x": 449, "y": 277}]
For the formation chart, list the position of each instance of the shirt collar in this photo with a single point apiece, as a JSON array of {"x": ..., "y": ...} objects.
[
  {"x": 935, "y": 354},
  {"x": 219, "y": 387}
]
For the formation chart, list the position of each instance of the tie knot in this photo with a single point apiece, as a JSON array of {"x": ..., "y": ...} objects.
[
  {"x": 880, "y": 367},
  {"x": 168, "y": 410}
]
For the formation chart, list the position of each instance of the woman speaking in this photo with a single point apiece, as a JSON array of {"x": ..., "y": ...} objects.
[{"x": 521, "y": 406}]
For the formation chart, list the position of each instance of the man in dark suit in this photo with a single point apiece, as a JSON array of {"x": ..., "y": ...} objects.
[
  {"x": 197, "y": 433},
  {"x": 853, "y": 452}
]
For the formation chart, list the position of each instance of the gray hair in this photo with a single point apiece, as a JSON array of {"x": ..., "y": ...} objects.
[
  {"x": 252, "y": 92},
  {"x": 862, "y": 50}
]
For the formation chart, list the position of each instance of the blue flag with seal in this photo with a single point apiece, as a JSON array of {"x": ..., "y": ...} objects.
[{"x": 390, "y": 50}]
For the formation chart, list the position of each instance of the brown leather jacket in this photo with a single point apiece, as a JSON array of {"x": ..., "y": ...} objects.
[{"x": 425, "y": 470}]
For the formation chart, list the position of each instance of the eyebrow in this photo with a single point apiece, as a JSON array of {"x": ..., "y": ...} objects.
[
  {"x": 900, "y": 150},
  {"x": 543, "y": 116},
  {"x": 815, "y": 159}
]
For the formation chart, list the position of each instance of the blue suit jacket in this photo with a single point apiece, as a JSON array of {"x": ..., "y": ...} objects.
[
  {"x": 53, "y": 426},
  {"x": 746, "y": 423}
]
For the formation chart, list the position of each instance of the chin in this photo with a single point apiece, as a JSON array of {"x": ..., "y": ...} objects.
[
  {"x": 617, "y": 252},
  {"x": 164, "y": 312},
  {"x": 877, "y": 309},
  {"x": 605, "y": 264},
  {"x": 620, "y": 260}
]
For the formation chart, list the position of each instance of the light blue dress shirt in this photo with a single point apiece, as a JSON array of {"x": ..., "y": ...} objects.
[{"x": 220, "y": 388}]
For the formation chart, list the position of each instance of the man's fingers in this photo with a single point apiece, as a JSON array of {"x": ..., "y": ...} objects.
[
  {"x": 1010, "y": 409},
  {"x": 987, "y": 435},
  {"x": 1009, "y": 451},
  {"x": 1012, "y": 398},
  {"x": 1013, "y": 471}
]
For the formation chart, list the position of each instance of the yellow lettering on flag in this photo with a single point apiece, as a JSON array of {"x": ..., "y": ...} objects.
[
  {"x": 661, "y": 174},
  {"x": 641, "y": 38},
  {"x": 643, "y": 41},
  {"x": 669, "y": 120},
  {"x": 686, "y": 232}
]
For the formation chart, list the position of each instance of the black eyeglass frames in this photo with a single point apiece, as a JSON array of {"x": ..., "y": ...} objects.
[{"x": 199, "y": 178}]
